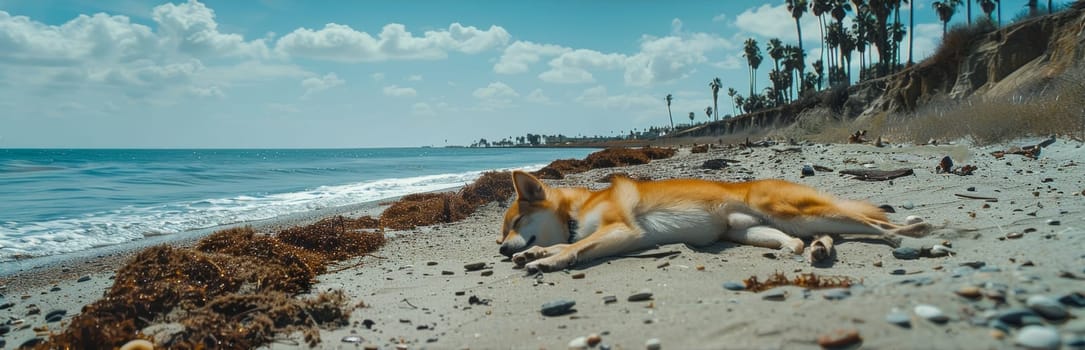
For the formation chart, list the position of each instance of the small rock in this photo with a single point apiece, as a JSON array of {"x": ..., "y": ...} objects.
[
  {"x": 939, "y": 250},
  {"x": 610, "y": 299},
  {"x": 643, "y": 295},
  {"x": 431, "y": 263},
  {"x": 839, "y": 338},
  {"x": 1014, "y": 316},
  {"x": 6, "y": 305},
  {"x": 1047, "y": 307},
  {"x": 83, "y": 279},
  {"x": 54, "y": 289},
  {"x": 897, "y": 272},
  {"x": 4, "y": 329},
  {"x": 1073, "y": 299},
  {"x": 899, "y": 318},
  {"x": 807, "y": 170},
  {"x": 487, "y": 273},
  {"x": 579, "y": 343},
  {"x": 1014, "y": 235},
  {"x": 970, "y": 292},
  {"x": 352, "y": 339},
  {"x": 931, "y": 313},
  {"x": 1071, "y": 341},
  {"x": 447, "y": 273},
  {"x": 558, "y": 307},
  {"x": 578, "y": 275},
  {"x": 1038, "y": 337},
  {"x": 31, "y": 343},
  {"x": 774, "y": 295},
  {"x": 594, "y": 339},
  {"x": 474, "y": 266},
  {"x": 974, "y": 264},
  {"x": 1054, "y": 222},
  {"x": 653, "y": 344},
  {"x": 907, "y": 205},
  {"x": 837, "y": 294},
  {"x": 55, "y": 315},
  {"x": 734, "y": 285},
  {"x": 714, "y": 164},
  {"x": 906, "y": 253}
]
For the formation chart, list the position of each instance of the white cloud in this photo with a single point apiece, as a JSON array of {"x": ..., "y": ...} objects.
[
  {"x": 495, "y": 96},
  {"x": 495, "y": 90},
  {"x": 377, "y": 76},
  {"x": 422, "y": 108},
  {"x": 572, "y": 67},
  {"x": 599, "y": 97},
  {"x": 397, "y": 91},
  {"x": 99, "y": 37},
  {"x": 720, "y": 18},
  {"x": 314, "y": 85},
  {"x": 191, "y": 28},
  {"x": 676, "y": 26},
  {"x": 415, "y": 77},
  {"x": 537, "y": 96},
  {"x": 210, "y": 91},
  {"x": 521, "y": 54},
  {"x": 341, "y": 43},
  {"x": 770, "y": 21}
]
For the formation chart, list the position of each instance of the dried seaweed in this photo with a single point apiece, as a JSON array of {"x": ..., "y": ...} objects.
[
  {"x": 424, "y": 209},
  {"x": 608, "y": 158},
  {"x": 805, "y": 280},
  {"x": 493, "y": 186},
  {"x": 234, "y": 289}
]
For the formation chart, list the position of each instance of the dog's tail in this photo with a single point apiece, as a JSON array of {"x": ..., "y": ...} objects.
[{"x": 865, "y": 212}]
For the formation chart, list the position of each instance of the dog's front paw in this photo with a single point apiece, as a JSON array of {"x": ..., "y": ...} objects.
[
  {"x": 532, "y": 254},
  {"x": 554, "y": 263}
]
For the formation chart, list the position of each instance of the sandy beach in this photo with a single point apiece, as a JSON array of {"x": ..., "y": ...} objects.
[{"x": 1021, "y": 251}]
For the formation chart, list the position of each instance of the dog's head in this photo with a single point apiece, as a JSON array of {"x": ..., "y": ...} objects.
[{"x": 534, "y": 218}]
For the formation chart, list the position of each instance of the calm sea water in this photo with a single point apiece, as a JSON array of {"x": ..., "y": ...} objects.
[{"x": 58, "y": 201}]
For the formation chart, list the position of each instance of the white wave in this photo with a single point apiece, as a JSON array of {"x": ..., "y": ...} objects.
[{"x": 92, "y": 230}]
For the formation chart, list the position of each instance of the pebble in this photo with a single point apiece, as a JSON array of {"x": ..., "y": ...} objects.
[
  {"x": 6, "y": 305},
  {"x": 807, "y": 170},
  {"x": 578, "y": 275},
  {"x": 1053, "y": 222},
  {"x": 1038, "y": 337},
  {"x": 610, "y": 299},
  {"x": 31, "y": 343},
  {"x": 897, "y": 272},
  {"x": 642, "y": 295},
  {"x": 557, "y": 307},
  {"x": 487, "y": 273},
  {"x": 970, "y": 292},
  {"x": 55, "y": 315},
  {"x": 974, "y": 264},
  {"x": 54, "y": 289},
  {"x": 1071, "y": 341},
  {"x": 837, "y": 294},
  {"x": 431, "y": 263},
  {"x": 714, "y": 164},
  {"x": 474, "y": 266},
  {"x": 653, "y": 344},
  {"x": 899, "y": 318},
  {"x": 83, "y": 279},
  {"x": 579, "y": 343},
  {"x": 1013, "y": 316},
  {"x": 4, "y": 329},
  {"x": 1073, "y": 299},
  {"x": 734, "y": 285},
  {"x": 1047, "y": 307},
  {"x": 931, "y": 313},
  {"x": 939, "y": 250},
  {"x": 906, "y": 253},
  {"x": 594, "y": 339},
  {"x": 839, "y": 338},
  {"x": 447, "y": 273},
  {"x": 907, "y": 205},
  {"x": 1015, "y": 235},
  {"x": 774, "y": 295},
  {"x": 352, "y": 339}
]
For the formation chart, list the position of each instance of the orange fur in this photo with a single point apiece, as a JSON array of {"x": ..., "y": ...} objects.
[{"x": 631, "y": 215}]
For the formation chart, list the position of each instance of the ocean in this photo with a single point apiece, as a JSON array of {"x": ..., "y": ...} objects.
[{"x": 57, "y": 201}]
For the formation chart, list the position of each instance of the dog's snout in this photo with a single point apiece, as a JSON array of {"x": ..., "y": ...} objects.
[{"x": 507, "y": 251}]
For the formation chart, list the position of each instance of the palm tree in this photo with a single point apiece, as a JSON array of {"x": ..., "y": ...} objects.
[
  {"x": 1033, "y": 8},
  {"x": 691, "y": 115},
  {"x": 775, "y": 49},
  {"x": 840, "y": 9},
  {"x": 988, "y": 7},
  {"x": 753, "y": 58},
  {"x": 968, "y": 11},
  {"x": 669, "y": 98},
  {"x": 911, "y": 29},
  {"x": 708, "y": 113},
  {"x": 819, "y": 68},
  {"x": 715, "y": 85},
  {"x": 999, "y": 2},
  {"x": 731, "y": 93},
  {"x": 945, "y": 10},
  {"x": 797, "y": 8},
  {"x": 819, "y": 8}
]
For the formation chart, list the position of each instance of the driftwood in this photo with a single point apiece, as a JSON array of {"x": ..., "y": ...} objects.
[
  {"x": 877, "y": 175},
  {"x": 985, "y": 199}
]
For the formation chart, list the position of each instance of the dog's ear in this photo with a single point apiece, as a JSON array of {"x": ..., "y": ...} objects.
[{"x": 528, "y": 188}]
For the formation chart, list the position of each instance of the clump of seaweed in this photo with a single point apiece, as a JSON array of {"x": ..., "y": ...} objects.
[
  {"x": 234, "y": 289},
  {"x": 492, "y": 186},
  {"x": 424, "y": 209},
  {"x": 608, "y": 158},
  {"x": 805, "y": 280}
]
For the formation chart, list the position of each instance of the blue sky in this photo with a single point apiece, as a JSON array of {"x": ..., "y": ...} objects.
[{"x": 278, "y": 73}]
